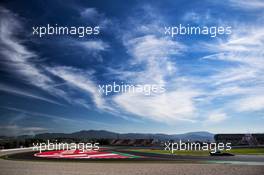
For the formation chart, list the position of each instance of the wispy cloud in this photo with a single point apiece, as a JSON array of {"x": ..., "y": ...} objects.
[
  {"x": 245, "y": 4},
  {"x": 32, "y": 113},
  {"x": 198, "y": 17},
  {"x": 155, "y": 56},
  {"x": 168, "y": 107},
  {"x": 95, "y": 45},
  {"x": 228, "y": 77},
  {"x": 250, "y": 103},
  {"x": 81, "y": 80},
  {"x": 216, "y": 117},
  {"x": 155, "y": 53},
  {"x": 59, "y": 119},
  {"x": 23, "y": 93},
  {"x": 23, "y": 63},
  {"x": 243, "y": 76},
  {"x": 15, "y": 130},
  {"x": 93, "y": 15},
  {"x": 15, "y": 54},
  {"x": 20, "y": 59}
]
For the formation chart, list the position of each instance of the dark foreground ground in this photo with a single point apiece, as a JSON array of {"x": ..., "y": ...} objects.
[
  {"x": 23, "y": 164},
  {"x": 11, "y": 167}
]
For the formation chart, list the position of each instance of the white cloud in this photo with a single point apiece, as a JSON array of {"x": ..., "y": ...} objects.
[
  {"x": 235, "y": 75},
  {"x": 17, "y": 56},
  {"x": 93, "y": 15},
  {"x": 149, "y": 47},
  {"x": 155, "y": 53},
  {"x": 243, "y": 50},
  {"x": 244, "y": 38},
  {"x": 198, "y": 18},
  {"x": 250, "y": 103},
  {"x": 56, "y": 118},
  {"x": 32, "y": 113},
  {"x": 216, "y": 117},
  {"x": 95, "y": 46},
  {"x": 247, "y": 4},
  {"x": 230, "y": 90},
  {"x": 23, "y": 93},
  {"x": 14, "y": 130},
  {"x": 22, "y": 62},
  {"x": 156, "y": 56},
  {"x": 167, "y": 107},
  {"x": 79, "y": 79},
  {"x": 90, "y": 13}
]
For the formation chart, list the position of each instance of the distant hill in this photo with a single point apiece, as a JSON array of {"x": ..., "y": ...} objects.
[{"x": 102, "y": 134}]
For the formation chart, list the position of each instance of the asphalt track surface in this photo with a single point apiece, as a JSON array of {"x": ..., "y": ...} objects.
[
  {"x": 143, "y": 156},
  {"x": 258, "y": 159},
  {"x": 148, "y": 164}
]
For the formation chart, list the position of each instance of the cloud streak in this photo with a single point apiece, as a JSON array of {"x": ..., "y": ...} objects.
[
  {"x": 155, "y": 56},
  {"x": 79, "y": 79},
  {"x": 26, "y": 94},
  {"x": 23, "y": 62}
]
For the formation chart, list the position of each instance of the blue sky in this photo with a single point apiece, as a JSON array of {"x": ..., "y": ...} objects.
[{"x": 50, "y": 84}]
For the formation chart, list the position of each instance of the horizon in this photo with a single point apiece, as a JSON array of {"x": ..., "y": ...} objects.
[
  {"x": 112, "y": 132},
  {"x": 153, "y": 133}
]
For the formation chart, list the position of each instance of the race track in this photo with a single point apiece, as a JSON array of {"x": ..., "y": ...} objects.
[{"x": 162, "y": 165}]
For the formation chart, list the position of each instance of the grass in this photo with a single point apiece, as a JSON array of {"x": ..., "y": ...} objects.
[
  {"x": 236, "y": 151},
  {"x": 247, "y": 151},
  {"x": 157, "y": 151}
]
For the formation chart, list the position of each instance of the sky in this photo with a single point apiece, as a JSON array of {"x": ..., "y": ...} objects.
[{"x": 50, "y": 84}]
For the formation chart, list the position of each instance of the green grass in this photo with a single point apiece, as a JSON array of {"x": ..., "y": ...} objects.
[
  {"x": 197, "y": 153},
  {"x": 236, "y": 151},
  {"x": 248, "y": 151}
]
